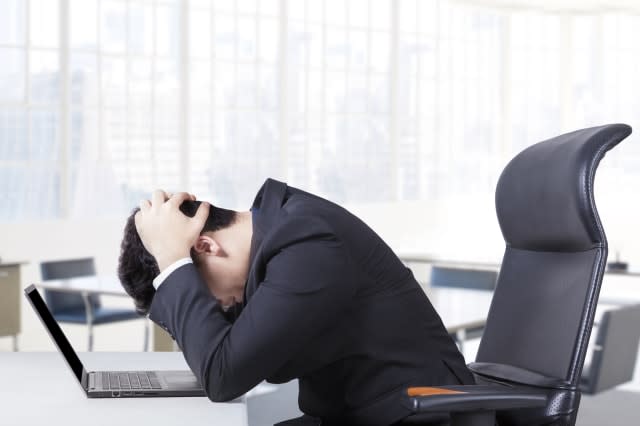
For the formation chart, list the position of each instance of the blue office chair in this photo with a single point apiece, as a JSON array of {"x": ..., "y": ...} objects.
[
  {"x": 532, "y": 352},
  {"x": 82, "y": 308},
  {"x": 458, "y": 277}
]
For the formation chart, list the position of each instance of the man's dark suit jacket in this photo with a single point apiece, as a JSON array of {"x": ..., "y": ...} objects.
[{"x": 327, "y": 302}]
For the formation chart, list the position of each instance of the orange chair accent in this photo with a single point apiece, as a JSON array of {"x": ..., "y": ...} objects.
[{"x": 426, "y": 391}]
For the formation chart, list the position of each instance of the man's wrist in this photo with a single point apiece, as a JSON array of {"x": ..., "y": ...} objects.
[
  {"x": 167, "y": 260},
  {"x": 169, "y": 270}
]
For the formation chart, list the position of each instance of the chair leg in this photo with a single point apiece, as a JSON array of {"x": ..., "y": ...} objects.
[
  {"x": 90, "y": 344},
  {"x": 15, "y": 343},
  {"x": 146, "y": 335},
  {"x": 89, "y": 312}
]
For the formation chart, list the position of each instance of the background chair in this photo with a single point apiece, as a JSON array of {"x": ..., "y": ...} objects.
[
  {"x": 615, "y": 351},
  {"x": 533, "y": 348},
  {"x": 469, "y": 278},
  {"x": 82, "y": 308}
]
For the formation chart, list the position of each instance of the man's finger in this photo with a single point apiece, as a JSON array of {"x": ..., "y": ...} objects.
[
  {"x": 178, "y": 198},
  {"x": 158, "y": 197},
  {"x": 144, "y": 205},
  {"x": 201, "y": 215}
]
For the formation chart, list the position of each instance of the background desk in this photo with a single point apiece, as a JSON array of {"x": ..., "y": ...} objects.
[
  {"x": 39, "y": 389},
  {"x": 618, "y": 287},
  {"x": 110, "y": 286},
  {"x": 10, "y": 300}
]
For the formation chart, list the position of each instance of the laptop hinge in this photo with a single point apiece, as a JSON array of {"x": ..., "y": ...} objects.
[{"x": 84, "y": 379}]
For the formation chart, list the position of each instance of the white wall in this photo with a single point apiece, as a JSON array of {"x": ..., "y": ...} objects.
[
  {"x": 39, "y": 241},
  {"x": 455, "y": 229}
]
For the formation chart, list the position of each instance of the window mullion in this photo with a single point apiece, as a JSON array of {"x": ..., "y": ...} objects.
[
  {"x": 393, "y": 116},
  {"x": 64, "y": 114},
  {"x": 152, "y": 112},
  {"x": 27, "y": 80},
  {"x": 184, "y": 96},
  {"x": 100, "y": 113},
  {"x": 283, "y": 71},
  {"x": 127, "y": 120},
  {"x": 306, "y": 139}
]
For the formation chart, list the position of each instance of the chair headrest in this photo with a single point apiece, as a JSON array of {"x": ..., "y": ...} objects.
[{"x": 551, "y": 208}]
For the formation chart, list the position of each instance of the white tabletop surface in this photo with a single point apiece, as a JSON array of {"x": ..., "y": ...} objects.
[
  {"x": 39, "y": 389},
  {"x": 107, "y": 284}
]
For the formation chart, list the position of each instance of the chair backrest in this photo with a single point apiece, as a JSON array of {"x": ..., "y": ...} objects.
[
  {"x": 59, "y": 301},
  {"x": 615, "y": 351},
  {"x": 478, "y": 279},
  {"x": 542, "y": 311}
]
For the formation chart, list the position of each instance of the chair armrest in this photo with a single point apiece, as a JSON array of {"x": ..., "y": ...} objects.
[{"x": 471, "y": 398}]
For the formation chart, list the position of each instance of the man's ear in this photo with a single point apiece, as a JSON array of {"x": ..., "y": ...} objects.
[{"x": 207, "y": 245}]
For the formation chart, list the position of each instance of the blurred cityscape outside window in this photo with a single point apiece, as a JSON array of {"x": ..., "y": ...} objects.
[{"x": 361, "y": 101}]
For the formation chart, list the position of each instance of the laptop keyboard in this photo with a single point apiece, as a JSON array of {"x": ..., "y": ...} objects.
[{"x": 130, "y": 380}]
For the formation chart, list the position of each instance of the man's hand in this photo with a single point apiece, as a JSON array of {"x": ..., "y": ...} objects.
[{"x": 165, "y": 231}]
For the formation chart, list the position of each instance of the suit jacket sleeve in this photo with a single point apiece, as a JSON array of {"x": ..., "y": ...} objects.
[{"x": 307, "y": 285}]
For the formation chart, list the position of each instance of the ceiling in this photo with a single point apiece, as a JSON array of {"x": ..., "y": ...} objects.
[{"x": 573, "y": 6}]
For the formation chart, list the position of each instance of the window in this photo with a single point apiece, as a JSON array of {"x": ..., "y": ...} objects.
[
  {"x": 30, "y": 173},
  {"x": 358, "y": 100}
]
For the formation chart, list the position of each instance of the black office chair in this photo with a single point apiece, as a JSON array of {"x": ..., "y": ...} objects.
[
  {"x": 81, "y": 308},
  {"x": 533, "y": 348},
  {"x": 615, "y": 350}
]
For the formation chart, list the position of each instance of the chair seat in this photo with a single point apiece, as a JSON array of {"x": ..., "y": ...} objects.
[
  {"x": 510, "y": 373},
  {"x": 100, "y": 316}
]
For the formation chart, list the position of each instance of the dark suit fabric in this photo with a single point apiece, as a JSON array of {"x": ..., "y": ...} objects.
[{"x": 327, "y": 302}]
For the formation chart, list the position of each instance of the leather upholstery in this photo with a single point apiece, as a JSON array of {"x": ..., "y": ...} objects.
[
  {"x": 561, "y": 408},
  {"x": 544, "y": 197},
  {"x": 539, "y": 304},
  {"x": 542, "y": 312}
]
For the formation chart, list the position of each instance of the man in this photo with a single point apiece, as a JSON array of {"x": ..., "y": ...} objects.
[{"x": 297, "y": 287}]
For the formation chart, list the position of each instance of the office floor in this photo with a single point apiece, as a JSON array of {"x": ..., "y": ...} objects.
[{"x": 612, "y": 408}]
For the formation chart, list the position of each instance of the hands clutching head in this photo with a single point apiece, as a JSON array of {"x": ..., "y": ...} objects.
[{"x": 165, "y": 231}]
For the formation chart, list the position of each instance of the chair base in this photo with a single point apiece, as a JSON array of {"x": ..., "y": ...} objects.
[{"x": 482, "y": 418}]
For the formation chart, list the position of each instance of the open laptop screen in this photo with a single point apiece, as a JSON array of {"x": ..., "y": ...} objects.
[{"x": 54, "y": 330}]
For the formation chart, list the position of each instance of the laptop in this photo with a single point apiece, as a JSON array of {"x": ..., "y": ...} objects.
[{"x": 114, "y": 384}]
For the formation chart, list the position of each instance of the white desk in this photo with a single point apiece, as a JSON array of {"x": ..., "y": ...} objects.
[
  {"x": 618, "y": 287},
  {"x": 460, "y": 309},
  {"x": 108, "y": 285},
  {"x": 39, "y": 389}
]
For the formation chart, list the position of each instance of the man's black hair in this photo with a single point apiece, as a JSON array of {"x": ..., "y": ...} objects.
[{"x": 137, "y": 267}]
